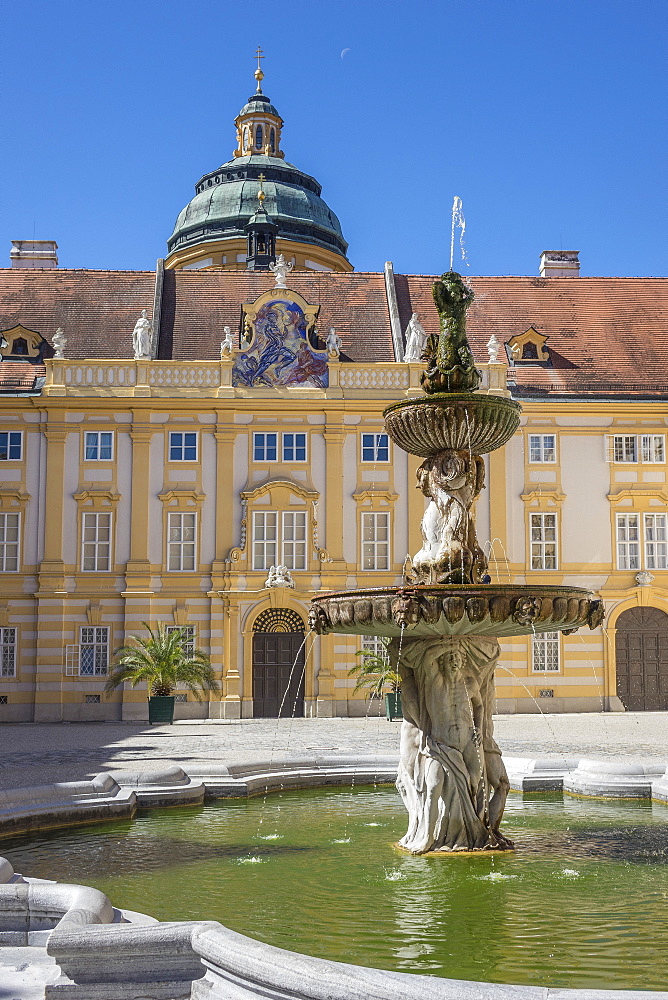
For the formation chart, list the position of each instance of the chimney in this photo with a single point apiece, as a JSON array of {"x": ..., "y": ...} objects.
[
  {"x": 34, "y": 253},
  {"x": 559, "y": 264}
]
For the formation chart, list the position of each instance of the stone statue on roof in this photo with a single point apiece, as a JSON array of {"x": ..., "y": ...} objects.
[
  {"x": 141, "y": 337},
  {"x": 416, "y": 339},
  {"x": 59, "y": 342},
  {"x": 281, "y": 270},
  {"x": 227, "y": 345},
  {"x": 333, "y": 343}
]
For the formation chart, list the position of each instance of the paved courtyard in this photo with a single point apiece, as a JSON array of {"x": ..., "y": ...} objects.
[{"x": 33, "y": 754}]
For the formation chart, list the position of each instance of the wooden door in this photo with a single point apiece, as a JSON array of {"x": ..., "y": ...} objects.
[
  {"x": 642, "y": 660},
  {"x": 278, "y": 674}
]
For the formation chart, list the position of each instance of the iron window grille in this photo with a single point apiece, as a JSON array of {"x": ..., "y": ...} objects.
[{"x": 8, "y": 645}]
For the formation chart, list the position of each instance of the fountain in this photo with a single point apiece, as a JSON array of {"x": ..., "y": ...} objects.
[{"x": 446, "y": 618}]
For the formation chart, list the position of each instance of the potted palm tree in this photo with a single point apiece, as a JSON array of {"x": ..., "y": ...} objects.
[
  {"x": 162, "y": 661},
  {"x": 375, "y": 673}
]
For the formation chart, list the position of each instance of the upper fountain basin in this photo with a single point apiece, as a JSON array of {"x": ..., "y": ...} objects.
[
  {"x": 456, "y": 609},
  {"x": 458, "y": 421}
]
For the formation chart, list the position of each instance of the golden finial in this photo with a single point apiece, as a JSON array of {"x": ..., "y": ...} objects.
[
  {"x": 259, "y": 75},
  {"x": 261, "y": 195}
]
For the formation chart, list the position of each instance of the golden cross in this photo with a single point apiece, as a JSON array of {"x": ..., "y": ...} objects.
[
  {"x": 260, "y": 194},
  {"x": 258, "y": 56}
]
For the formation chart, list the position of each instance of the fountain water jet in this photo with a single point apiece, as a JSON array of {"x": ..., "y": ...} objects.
[{"x": 451, "y": 775}]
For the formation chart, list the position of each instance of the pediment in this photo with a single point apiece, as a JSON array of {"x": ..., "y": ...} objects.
[{"x": 528, "y": 348}]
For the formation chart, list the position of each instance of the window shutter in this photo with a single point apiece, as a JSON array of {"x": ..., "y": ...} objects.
[{"x": 72, "y": 655}]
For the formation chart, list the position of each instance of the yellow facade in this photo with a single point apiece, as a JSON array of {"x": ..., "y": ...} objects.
[{"x": 175, "y": 539}]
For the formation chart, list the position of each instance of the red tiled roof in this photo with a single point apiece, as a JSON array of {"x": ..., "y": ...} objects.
[
  {"x": 605, "y": 335},
  {"x": 20, "y": 376}
]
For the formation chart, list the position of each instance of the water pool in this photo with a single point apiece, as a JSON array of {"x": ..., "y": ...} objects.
[{"x": 582, "y": 902}]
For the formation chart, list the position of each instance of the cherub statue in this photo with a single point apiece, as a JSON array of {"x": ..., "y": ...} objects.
[
  {"x": 59, "y": 342},
  {"x": 333, "y": 343},
  {"x": 227, "y": 345},
  {"x": 416, "y": 339},
  {"x": 141, "y": 337},
  {"x": 281, "y": 270}
]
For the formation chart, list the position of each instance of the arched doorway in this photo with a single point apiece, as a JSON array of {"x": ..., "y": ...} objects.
[
  {"x": 642, "y": 659},
  {"x": 278, "y": 664}
]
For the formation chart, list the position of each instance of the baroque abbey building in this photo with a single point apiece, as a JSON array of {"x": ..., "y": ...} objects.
[{"x": 203, "y": 445}]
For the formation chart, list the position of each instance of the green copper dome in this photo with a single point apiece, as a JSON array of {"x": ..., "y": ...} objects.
[{"x": 227, "y": 198}]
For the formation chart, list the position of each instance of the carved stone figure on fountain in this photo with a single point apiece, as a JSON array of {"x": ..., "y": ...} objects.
[
  {"x": 450, "y": 365},
  {"x": 450, "y": 551},
  {"x": 451, "y": 776}
]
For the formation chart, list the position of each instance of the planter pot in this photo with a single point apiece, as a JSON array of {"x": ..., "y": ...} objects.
[
  {"x": 161, "y": 709},
  {"x": 393, "y": 706}
]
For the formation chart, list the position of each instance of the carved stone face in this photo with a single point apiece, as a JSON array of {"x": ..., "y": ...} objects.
[
  {"x": 596, "y": 614},
  {"x": 318, "y": 621},
  {"x": 526, "y": 610},
  {"x": 405, "y": 611}
]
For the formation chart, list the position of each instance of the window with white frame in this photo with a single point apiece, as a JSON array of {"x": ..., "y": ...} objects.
[
  {"x": 624, "y": 448},
  {"x": 543, "y": 529},
  {"x": 11, "y": 446},
  {"x": 265, "y": 447},
  {"x": 653, "y": 448},
  {"x": 98, "y": 446},
  {"x": 374, "y": 644},
  {"x": 8, "y": 651},
  {"x": 187, "y": 637},
  {"x": 542, "y": 448},
  {"x": 183, "y": 446},
  {"x": 9, "y": 542},
  {"x": 181, "y": 537},
  {"x": 545, "y": 652},
  {"x": 656, "y": 551},
  {"x": 294, "y": 447},
  {"x": 375, "y": 541},
  {"x": 93, "y": 650},
  {"x": 628, "y": 541},
  {"x": 279, "y": 538},
  {"x": 375, "y": 448},
  {"x": 96, "y": 542}
]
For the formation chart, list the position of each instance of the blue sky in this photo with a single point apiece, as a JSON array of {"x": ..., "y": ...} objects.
[{"x": 548, "y": 119}]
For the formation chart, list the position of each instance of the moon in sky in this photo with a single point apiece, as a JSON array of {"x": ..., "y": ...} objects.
[{"x": 344, "y": 52}]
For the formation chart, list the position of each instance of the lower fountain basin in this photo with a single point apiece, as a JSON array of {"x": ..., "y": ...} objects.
[{"x": 456, "y": 609}]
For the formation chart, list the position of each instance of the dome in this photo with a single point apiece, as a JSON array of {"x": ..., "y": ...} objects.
[
  {"x": 211, "y": 229},
  {"x": 227, "y": 198}
]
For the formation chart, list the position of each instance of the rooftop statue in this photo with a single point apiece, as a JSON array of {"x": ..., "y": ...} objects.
[
  {"x": 450, "y": 365},
  {"x": 416, "y": 339},
  {"x": 281, "y": 270},
  {"x": 59, "y": 342},
  {"x": 141, "y": 337}
]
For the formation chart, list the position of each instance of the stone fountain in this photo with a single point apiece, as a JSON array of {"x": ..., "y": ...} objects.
[{"x": 445, "y": 620}]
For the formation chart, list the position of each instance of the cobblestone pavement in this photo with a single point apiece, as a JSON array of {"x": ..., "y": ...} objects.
[{"x": 36, "y": 754}]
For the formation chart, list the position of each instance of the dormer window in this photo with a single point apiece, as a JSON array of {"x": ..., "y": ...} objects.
[
  {"x": 528, "y": 348},
  {"x": 20, "y": 346}
]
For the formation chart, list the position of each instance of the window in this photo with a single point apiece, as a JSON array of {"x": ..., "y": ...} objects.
[
  {"x": 653, "y": 448},
  {"x": 287, "y": 550},
  {"x": 9, "y": 543},
  {"x": 11, "y": 446},
  {"x": 375, "y": 541},
  {"x": 656, "y": 551},
  {"x": 94, "y": 651},
  {"x": 181, "y": 542},
  {"x": 8, "y": 652},
  {"x": 375, "y": 448},
  {"x": 542, "y": 448},
  {"x": 294, "y": 447},
  {"x": 545, "y": 651},
  {"x": 374, "y": 644},
  {"x": 543, "y": 541},
  {"x": 624, "y": 448},
  {"x": 258, "y": 137},
  {"x": 92, "y": 699},
  {"x": 20, "y": 346},
  {"x": 188, "y": 637},
  {"x": 265, "y": 447},
  {"x": 630, "y": 448},
  {"x": 182, "y": 446},
  {"x": 98, "y": 446},
  {"x": 628, "y": 541},
  {"x": 272, "y": 140},
  {"x": 95, "y": 543}
]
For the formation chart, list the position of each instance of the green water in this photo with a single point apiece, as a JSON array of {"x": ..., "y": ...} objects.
[{"x": 582, "y": 902}]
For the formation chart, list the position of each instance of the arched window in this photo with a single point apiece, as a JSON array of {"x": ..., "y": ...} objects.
[
  {"x": 246, "y": 138},
  {"x": 20, "y": 346},
  {"x": 258, "y": 137},
  {"x": 272, "y": 140}
]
